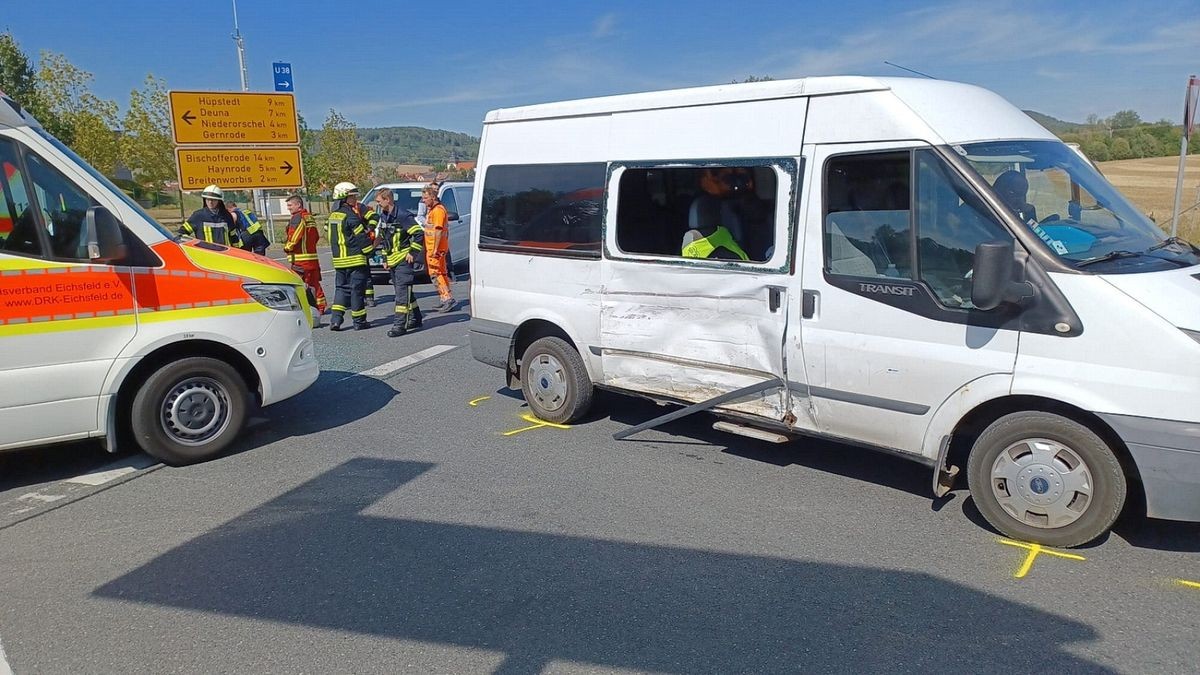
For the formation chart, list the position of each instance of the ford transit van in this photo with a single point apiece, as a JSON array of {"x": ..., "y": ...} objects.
[{"x": 909, "y": 265}]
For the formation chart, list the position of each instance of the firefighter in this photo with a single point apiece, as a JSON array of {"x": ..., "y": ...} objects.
[
  {"x": 212, "y": 223},
  {"x": 402, "y": 238},
  {"x": 347, "y": 234},
  {"x": 301, "y": 249},
  {"x": 249, "y": 229}
]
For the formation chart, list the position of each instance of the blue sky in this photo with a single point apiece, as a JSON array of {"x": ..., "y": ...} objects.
[{"x": 444, "y": 65}]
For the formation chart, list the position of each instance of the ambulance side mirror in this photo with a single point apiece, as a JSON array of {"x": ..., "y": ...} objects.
[
  {"x": 992, "y": 277},
  {"x": 452, "y": 215},
  {"x": 105, "y": 239}
]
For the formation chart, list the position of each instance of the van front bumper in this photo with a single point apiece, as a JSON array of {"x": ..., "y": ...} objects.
[
  {"x": 284, "y": 356},
  {"x": 1167, "y": 455}
]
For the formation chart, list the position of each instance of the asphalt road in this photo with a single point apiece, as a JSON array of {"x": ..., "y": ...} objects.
[{"x": 402, "y": 516}]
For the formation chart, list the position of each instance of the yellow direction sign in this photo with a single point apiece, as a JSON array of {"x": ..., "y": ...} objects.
[
  {"x": 239, "y": 168},
  {"x": 226, "y": 118}
]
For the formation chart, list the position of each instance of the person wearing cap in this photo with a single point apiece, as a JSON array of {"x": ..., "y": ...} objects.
[
  {"x": 347, "y": 234},
  {"x": 213, "y": 222}
]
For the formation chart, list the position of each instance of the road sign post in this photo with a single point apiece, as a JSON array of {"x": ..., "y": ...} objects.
[
  {"x": 283, "y": 76},
  {"x": 238, "y": 140}
]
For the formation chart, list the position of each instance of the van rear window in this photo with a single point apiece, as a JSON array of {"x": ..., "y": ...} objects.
[{"x": 551, "y": 209}]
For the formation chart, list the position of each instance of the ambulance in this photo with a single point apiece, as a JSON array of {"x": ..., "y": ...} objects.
[
  {"x": 115, "y": 329},
  {"x": 912, "y": 266}
]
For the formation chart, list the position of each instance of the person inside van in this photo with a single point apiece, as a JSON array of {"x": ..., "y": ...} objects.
[
  {"x": 1012, "y": 187},
  {"x": 712, "y": 226}
]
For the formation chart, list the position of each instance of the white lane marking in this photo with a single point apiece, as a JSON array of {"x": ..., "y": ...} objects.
[
  {"x": 4, "y": 667},
  {"x": 39, "y": 497},
  {"x": 392, "y": 366},
  {"x": 113, "y": 471}
]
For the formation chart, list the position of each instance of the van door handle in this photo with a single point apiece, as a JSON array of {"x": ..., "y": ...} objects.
[
  {"x": 809, "y": 304},
  {"x": 775, "y": 297}
]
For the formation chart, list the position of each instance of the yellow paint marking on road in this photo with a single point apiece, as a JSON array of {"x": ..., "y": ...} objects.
[
  {"x": 477, "y": 401},
  {"x": 1188, "y": 584},
  {"x": 535, "y": 423},
  {"x": 1034, "y": 551}
]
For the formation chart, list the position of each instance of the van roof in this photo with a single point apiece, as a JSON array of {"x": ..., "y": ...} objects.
[{"x": 727, "y": 93}]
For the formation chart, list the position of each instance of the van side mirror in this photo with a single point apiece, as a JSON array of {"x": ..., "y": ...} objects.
[
  {"x": 452, "y": 215},
  {"x": 105, "y": 240},
  {"x": 992, "y": 281}
]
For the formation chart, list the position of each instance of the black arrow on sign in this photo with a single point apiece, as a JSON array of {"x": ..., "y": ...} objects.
[
  {"x": 287, "y": 167},
  {"x": 188, "y": 117}
]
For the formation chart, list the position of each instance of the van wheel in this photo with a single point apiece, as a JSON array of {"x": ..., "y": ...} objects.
[
  {"x": 189, "y": 410},
  {"x": 1043, "y": 478},
  {"x": 554, "y": 380}
]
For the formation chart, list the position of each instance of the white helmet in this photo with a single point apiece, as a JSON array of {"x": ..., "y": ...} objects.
[
  {"x": 213, "y": 192},
  {"x": 344, "y": 189}
]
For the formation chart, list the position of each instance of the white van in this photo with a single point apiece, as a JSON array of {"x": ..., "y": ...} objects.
[
  {"x": 112, "y": 327},
  {"x": 853, "y": 274}
]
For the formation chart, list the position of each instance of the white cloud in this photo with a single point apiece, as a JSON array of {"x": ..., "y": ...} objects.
[{"x": 605, "y": 26}]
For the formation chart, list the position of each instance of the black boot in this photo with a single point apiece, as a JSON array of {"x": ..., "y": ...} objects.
[{"x": 397, "y": 331}]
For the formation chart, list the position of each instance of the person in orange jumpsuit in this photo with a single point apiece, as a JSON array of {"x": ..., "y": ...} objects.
[
  {"x": 301, "y": 248},
  {"x": 437, "y": 248}
]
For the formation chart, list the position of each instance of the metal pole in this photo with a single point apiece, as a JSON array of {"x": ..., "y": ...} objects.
[
  {"x": 257, "y": 197},
  {"x": 1183, "y": 146}
]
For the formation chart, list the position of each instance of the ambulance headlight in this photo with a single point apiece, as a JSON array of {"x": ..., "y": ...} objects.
[{"x": 276, "y": 296}]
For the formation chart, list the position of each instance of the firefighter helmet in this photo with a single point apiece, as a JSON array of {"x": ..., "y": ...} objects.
[
  {"x": 344, "y": 189},
  {"x": 213, "y": 192}
]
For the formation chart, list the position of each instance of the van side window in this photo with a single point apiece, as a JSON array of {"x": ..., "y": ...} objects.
[
  {"x": 867, "y": 216},
  {"x": 721, "y": 212},
  {"x": 951, "y": 222},
  {"x": 543, "y": 208},
  {"x": 448, "y": 200},
  {"x": 64, "y": 207},
  {"x": 19, "y": 229}
]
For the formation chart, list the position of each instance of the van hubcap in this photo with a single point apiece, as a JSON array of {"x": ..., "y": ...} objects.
[
  {"x": 548, "y": 380},
  {"x": 1042, "y": 483},
  {"x": 195, "y": 411}
]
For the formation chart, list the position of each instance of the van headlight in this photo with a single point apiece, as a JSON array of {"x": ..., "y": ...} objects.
[{"x": 276, "y": 296}]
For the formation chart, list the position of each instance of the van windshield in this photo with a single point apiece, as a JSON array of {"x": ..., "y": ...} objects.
[
  {"x": 408, "y": 199},
  {"x": 1071, "y": 207},
  {"x": 103, "y": 180}
]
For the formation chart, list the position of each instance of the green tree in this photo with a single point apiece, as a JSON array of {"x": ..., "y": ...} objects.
[
  {"x": 1096, "y": 150},
  {"x": 1145, "y": 145},
  {"x": 1121, "y": 149},
  {"x": 146, "y": 144},
  {"x": 339, "y": 155},
  {"x": 1124, "y": 119},
  {"x": 19, "y": 80},
  {"x": 63, "y": 89}
]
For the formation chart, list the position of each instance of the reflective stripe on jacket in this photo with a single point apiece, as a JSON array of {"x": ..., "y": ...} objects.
[
  {"x": 302, "y": 238},
  {"x": 705, "y": 247},
  {"x": 347, "y": 234}
]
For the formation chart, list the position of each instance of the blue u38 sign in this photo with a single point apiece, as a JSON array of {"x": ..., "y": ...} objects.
[{"x": 283, "y": 77}]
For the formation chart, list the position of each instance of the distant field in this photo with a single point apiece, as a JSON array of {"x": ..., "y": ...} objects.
[{"x": 1150, "y": 184}]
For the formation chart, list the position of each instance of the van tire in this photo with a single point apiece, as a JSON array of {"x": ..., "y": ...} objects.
[
  {"x": 554, "y": 381},
  {"x": 1041, "y": 465},
  {"x": 209, "y": 392}
]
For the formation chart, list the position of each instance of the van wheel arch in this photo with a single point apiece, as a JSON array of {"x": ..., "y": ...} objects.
[
  {"x": 526, "y": 334},
  {"x": 974, "y": 422},
  {"x": 160, "y": 357}
]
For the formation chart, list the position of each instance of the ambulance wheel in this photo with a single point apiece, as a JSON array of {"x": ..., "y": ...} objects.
[
  {"x": 554, "y": 380},
  {"x": 1042, "y": 478},
  {"x": 189, "y": 410}
]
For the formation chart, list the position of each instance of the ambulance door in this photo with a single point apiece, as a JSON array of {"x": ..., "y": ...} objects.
[{"x": 64, "y": 316}]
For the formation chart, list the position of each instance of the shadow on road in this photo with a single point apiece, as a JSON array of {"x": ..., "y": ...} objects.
[
  {"x": 821, "y": 455},
  {"x": 50, "y": 463},
  {"x": 310, "y": 558}
]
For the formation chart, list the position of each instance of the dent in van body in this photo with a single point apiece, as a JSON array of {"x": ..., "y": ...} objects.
[{"x": 691, "y": 341}]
